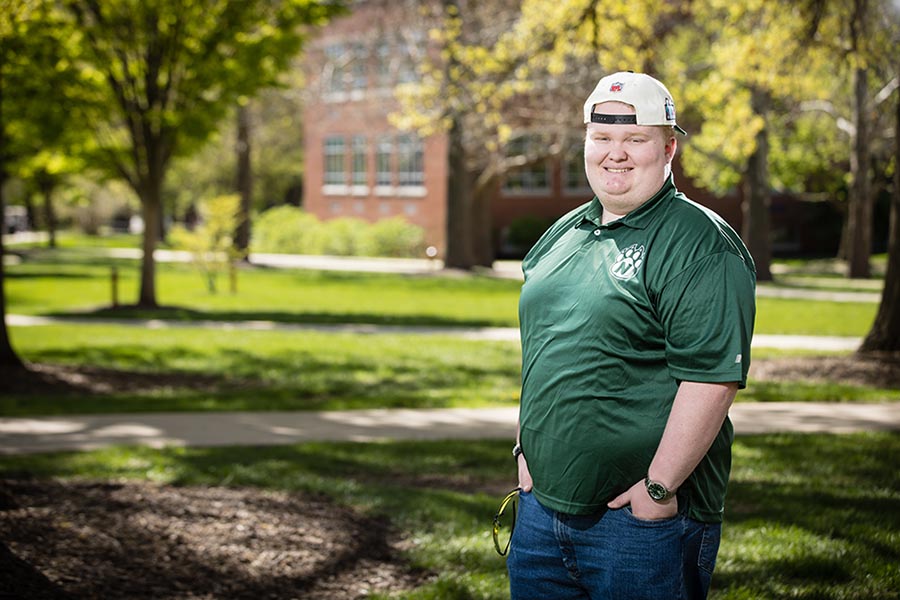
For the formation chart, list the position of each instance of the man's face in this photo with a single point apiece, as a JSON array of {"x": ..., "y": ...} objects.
[{"x": 625, "y": 164}]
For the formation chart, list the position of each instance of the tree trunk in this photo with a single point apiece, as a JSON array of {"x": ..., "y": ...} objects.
[
  {"x": 30, "y": 210},
  {"x": 483, "y": 227},
  {"x": 885, "y": 333},
  {"x": 459, "y": 253},
  {"x": 48, "y": 185},
  {"x": 151, "y": 210},
  {"x": 155, "y": 150},
  {"x": 8, "y": 356},
  {"x": 244, "y": 181},
  {"x": 758, "y": 200},
  {"x": 859, "y": 211}
]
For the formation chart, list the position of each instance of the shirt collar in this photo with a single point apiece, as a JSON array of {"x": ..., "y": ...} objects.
[{"x": 636, "y": 219}]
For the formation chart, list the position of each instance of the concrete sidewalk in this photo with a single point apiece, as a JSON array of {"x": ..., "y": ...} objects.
[{"x": 45, "y": 434}]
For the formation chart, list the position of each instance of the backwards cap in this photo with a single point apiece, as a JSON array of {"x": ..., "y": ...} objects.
[{"x": 651, "y": 100}]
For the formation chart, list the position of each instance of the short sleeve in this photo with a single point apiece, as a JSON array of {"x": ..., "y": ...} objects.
[{"x": 707, "y": 312}]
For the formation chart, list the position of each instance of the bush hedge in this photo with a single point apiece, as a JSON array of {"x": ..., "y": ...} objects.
[{"x": 290, "y": 230}]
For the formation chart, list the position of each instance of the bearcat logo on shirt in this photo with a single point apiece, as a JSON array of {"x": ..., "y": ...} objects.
[{"x": 628, "y": 262}]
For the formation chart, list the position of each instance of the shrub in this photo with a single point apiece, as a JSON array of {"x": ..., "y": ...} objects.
[
  {"x": 398, "y": 238},
  {"x": 347, "y": 236},
  {"x": 290, "y": 230},
  {"x": 211, "y": 243}
]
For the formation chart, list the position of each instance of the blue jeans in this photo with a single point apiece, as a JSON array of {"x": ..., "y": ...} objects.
[{"x": 610, "y": 555}]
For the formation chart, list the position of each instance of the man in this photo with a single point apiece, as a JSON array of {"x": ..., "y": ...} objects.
[{"x": 636, "y": 317}]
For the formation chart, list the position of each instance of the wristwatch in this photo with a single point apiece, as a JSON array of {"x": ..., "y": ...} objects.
[
  {"x": 517, "y": 451},
  {"x": 657, "y": 491}
]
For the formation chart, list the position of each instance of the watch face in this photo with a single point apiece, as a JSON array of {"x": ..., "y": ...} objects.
[{"x": 656, "y": 490}]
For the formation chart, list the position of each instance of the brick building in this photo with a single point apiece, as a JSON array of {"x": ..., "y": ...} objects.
[{"x": 359, "y": 165}]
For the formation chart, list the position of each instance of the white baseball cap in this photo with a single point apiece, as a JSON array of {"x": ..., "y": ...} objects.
[{"x": 651, "y": 100}]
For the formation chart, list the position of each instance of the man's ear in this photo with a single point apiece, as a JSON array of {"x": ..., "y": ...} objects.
[{"x": 671, "y": 146}]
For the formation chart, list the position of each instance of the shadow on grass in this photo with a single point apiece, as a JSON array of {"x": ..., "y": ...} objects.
[
  {"x": 62, "y": 275},
  {"x": 189, "y": 315},
  {"x": 138, "y": 378},
  {"x": 812, "y": 516}
]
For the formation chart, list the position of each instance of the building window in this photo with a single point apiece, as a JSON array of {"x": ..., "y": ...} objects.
[
  {"x": 335, "y": 162},
  {"x": 410, "y": 161},
  {"x": 383, "y": 169},
  {"x": 336, "y": 57},
  {"x": 384, "y": 55},
  {"x": 359, "y": 161},
  {"x": 534, "y": 176},
  {"x": 359, "y": 67}
]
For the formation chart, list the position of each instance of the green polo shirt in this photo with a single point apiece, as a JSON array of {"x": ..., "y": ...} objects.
[{"x": 612, "y": 318}]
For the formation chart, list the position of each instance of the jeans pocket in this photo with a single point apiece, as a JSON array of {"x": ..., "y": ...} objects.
[
  {"x": 709, "y": 547},
  {"x": 668, "y": 521}
]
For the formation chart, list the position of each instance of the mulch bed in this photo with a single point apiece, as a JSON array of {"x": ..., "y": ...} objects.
[
  {"x": 875, "y": 370},
  {"x": 76, "y": 539}
]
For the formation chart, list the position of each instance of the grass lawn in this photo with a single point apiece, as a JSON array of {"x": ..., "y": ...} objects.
[
  {"x": 202, "y": 369},
  {"x": 195, "y": 369},
  {"x": 77, "y": 280},
  {"x": 269, "y": 370},
  {"x": 808, "y": 516},
  {"x": 63, "y": 282}
]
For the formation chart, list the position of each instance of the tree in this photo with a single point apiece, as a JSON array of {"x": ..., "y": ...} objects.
[
  {"x": 170, "y": 70},
  {"x": 36, "y": 127},
  {"x": 885, "y": 333},
  {"x": 505, "y": 71},
  {"x": 861, "y": 39},
  {"x": 48, "y": 168},
  {"x": 739, "y": 72},
  {"x": 277, "y": 155}
]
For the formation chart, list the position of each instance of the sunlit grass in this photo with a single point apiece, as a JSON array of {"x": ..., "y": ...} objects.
[
  {"x": 78, "y": 281},
  {"x": 809, "y": 317},
  {"x": 65, "y": 282}
]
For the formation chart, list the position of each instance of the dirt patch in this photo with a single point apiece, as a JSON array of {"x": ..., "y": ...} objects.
[
  {"x": 62, "y": 539},
  {"x": 882, "y": 371}
]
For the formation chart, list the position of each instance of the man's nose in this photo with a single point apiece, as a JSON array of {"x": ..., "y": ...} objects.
[{"x": 617, "y": 152}]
